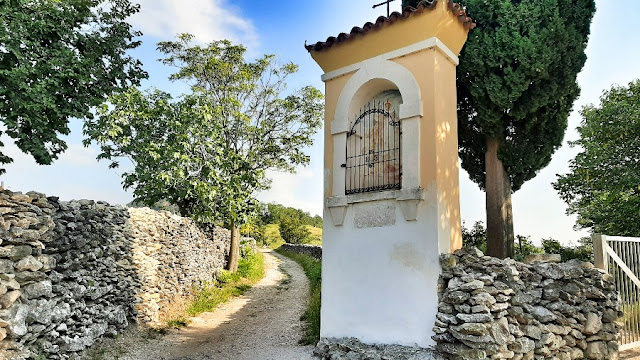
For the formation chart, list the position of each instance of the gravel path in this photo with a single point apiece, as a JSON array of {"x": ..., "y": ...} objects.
[
  {"x": 263, "y": 324},
  {"x": 630, "y": 354}
]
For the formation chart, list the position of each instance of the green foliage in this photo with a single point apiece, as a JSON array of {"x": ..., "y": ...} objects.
[
  {"x": 413, "y": 3},
  {"x": 272, "y": 236},
  {"x": 177, "y": 323},
  {"x": 292, "y": 231},
  {"x": 583, "y": 251},
  {"x": 257, "y": 232},
  {"x": 524, "y": 247},
  {"x": 228, "y": 284},
  {"x": 313, "y": 269},
  {"x": 251, "y": 266},
  {"x": 59, "y": 59},
  {"x": 209, "y": 151},
  {"x": 175, "y": 148},
  {"x": 273, "y": 240},
  {"x": 517, "y": 81},
  {"x": 477, "y": 237},
  {"x": 603, "y": 185},
  {"x": 275, "y": 213}
]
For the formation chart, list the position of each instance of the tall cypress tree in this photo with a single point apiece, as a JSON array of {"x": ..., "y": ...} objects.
[{"x": 516, "y": 87}]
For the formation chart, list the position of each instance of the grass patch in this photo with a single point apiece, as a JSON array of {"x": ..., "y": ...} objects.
[
  {"x": 274, "y": 240},
  {"x": 177, "y": 322},
  {"x": 226, "y": 286},
  {"x": 315, "y": 236},
  {"x": 272, "y": 236},
  {"x": 313, "y": 269}
]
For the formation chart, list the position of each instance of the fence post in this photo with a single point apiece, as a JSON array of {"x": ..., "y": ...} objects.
[{"x": 600, "y": 252}]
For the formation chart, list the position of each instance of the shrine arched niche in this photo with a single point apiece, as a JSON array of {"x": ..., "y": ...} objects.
[
  {"x": 384, "y": 80},
  {"x": 373, "y": 141}
]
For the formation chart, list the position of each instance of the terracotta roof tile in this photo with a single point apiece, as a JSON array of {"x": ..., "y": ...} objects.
[{"x": 454, "y": 7}]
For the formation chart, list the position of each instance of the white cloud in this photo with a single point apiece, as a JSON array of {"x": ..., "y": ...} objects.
[
  {"x": 206, "y": 19},
  {"x": 76, "y": 174},
  {"x": 302, "y": 190}
]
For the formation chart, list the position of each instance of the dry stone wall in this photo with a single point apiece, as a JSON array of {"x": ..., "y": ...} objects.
[
  {"x": 503, "y": 309},
  {"x": 171, "y": 254},
  {"x": 314, "y": 251},
  {"x": 71, "y": 272}
]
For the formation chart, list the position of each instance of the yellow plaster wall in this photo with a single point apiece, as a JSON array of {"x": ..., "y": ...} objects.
[
  {"x": 333, "y": 89},
  {"x": 438, "y": 22},
  {"x": 436, "y": 77}
]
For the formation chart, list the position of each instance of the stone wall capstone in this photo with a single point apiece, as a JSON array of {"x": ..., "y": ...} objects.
[
  {"x": 71, "y": 272},
  {"x": 503, "y": 309}
]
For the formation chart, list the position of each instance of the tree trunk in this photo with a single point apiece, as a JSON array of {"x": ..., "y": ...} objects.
[
  {"x": 234, "y": 252},
  {"x": 500, "y": 237}
]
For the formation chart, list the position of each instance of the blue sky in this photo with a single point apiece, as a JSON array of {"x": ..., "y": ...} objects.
[{"x": 281, "y": 28}]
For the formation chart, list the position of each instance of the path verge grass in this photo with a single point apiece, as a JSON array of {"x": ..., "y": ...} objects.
[
  {"x": 313, "y": 269},
  {"x": 226, "y": 286},
  {"x": 207, "y": 297},
  {"x": 274, "y": 240}
]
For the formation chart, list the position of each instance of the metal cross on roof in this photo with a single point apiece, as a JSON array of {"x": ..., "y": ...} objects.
[{"x": 382, "y": 3}]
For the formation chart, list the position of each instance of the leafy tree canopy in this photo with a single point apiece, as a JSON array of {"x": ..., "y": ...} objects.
[
  {"x": 603, "y": 185},
  {"x": 293, "y": 231},
  {"x": 274, "y": 213},
  {"x": 517, "y": 81},
  {"x": 174, "y": 146},
  {"x": 58, "y": 59},
  {"x": 209, "y": 151}
]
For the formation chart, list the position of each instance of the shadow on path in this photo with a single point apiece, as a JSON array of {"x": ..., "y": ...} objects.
[{"x": 264, "y": 323}]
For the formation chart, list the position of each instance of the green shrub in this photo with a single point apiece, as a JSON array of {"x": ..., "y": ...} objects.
[
  {"x": 226, "y": 277},
  {"x": 251, "y": 266},
  {"x": 292, "y": 231}
]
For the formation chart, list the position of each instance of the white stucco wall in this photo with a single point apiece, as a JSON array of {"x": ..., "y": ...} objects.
[{"x": 379, "y": 284}]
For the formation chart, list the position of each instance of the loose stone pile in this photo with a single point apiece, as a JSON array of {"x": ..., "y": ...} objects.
[
  {"x": 314, "y": 251},
  {"x": 71, "y": 272},
  {"x": 353, "y": 349},
  {"x": 503, "y": 309}
]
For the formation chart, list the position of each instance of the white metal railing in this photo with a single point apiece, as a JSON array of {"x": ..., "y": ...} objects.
[{"x": 620, "y": 257}]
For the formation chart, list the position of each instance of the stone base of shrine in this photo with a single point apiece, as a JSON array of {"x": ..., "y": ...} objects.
[{"x": 353, "y": 349}]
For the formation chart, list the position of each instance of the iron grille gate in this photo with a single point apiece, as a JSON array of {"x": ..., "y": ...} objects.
[
  {"x": 620, "y": 256},
  {"x": 373, "y": 149}
]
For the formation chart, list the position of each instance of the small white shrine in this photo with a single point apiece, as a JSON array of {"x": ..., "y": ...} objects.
[{"x": 391, "y": 172}]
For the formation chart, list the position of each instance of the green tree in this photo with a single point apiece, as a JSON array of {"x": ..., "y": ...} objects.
[
  {"x": 525, "y": 247},
  {"x": 276, "y": 212},
  {"x": 413, "y": 3},
  {"x": 603, "y": 185},
  {"x": 59, "y": 59},
  {"x": 292, "y": 231},
  {"x": 175, "y": 148},
  {"x": 317, "y": 221},
  {"x": 209, "y": 152},
  {"x": 475, "y": 237},
  {"x": 516, "y": 86},
  {"x": 583, "y": 251}
]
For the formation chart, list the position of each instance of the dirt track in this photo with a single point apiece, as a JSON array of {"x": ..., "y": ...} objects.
[{"x": 264, "y": 323}]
